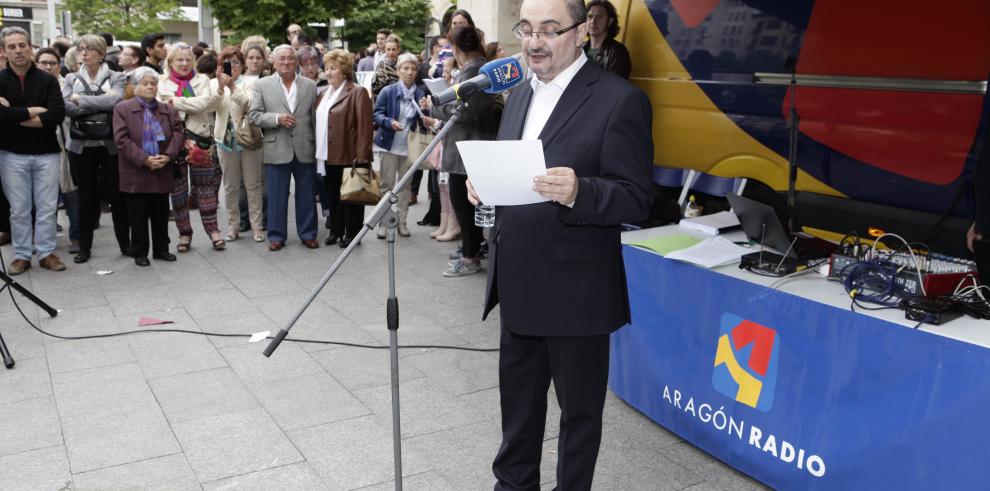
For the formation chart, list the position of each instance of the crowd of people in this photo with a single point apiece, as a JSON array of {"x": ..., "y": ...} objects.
[{"x": 153, "y": 131}]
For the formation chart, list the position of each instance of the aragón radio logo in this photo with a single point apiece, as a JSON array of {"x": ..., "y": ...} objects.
[{"x": 746, "y": 362}]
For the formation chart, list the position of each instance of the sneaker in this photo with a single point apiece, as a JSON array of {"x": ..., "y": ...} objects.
[
  {"x": 51, "y": 262},
  {"x": 462, "y": 268},
  {"x": 19, "y": 266}
]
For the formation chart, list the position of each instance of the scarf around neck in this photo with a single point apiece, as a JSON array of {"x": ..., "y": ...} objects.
[
  {"x": 151, "y": 129},
  {"x": 184, "y": 89}
]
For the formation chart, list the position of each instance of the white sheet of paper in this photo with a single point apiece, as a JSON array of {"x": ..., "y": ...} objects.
[
  {"x": 502, "y": 172},
  {"x": 436, "y": 85}
]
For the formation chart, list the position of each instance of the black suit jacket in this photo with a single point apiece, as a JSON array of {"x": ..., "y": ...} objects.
[{"x": 558, "y": 271}]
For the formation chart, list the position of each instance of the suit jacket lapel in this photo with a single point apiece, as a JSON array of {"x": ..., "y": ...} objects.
[
  {"x": 515, "y": 114},
  {"x": 348, "y": 88},
  {"x": 573, "y": 97},
  {"x": 280, "y": 92}
]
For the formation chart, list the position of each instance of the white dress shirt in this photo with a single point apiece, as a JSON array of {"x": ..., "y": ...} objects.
[
  {"x": 545, "y": 98},
  {"x": 290, "y": 93}
]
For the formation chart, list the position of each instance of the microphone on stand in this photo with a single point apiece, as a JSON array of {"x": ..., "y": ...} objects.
[{"x": 493, "y": 77}]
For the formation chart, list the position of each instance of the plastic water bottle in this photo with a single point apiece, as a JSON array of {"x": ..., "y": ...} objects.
[
  {"x": 692, "y": 209},
  {"x": 484, "y": 215}
]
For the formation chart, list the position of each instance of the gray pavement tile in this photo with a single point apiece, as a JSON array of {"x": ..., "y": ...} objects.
[
  {"x": 180, "y": 319},
  {"x": 65, "y": 298},
  {"x": 414, "y": 330},
  {"x": 128, "y": 434},
  {"x": 708, "y": 467},
  {"x": 101, "y": 390},
  {"x": 124, "y": 278},
  {"x": 22, "y": 340},
  {"x": 486, "y": 334},
  {"x": 463, "y": 454},
  {"x": 164, "y": 354},
  {"x": 215, "y": 301},
  {"x": 359, "y": 368},
  {"x": 452, "y": 310},
  {"x": 264, "y": 282},
  {"x": 29, "y": 425},
  {"x": 428, "y": 480},
  {"x": 294, "y": 476},
  {"x": 146, "y": 299},
  {"x": 67, "y": 356},
  {"x": 318, "y": 322},
  {"x": 635, "y": 426},
  {"x": 80, "y": 322},
  {"x": 45, "y": 468},
  {"x": 628, "y": 463},
  {"x": 233, "y": 444},
  {"x": 253, "y": 367},
  {"x": 29, "y": 379},
  {"x": 247, "y": 322},
  {"x": 203, "y": 394},
  {"x": 168, "y": 472},
  {"x": 457, "y": 372},
  {"x": 705, "y": 486},
  {"x": 354, "y": 453},
  {"x": 307, "y": 400},
  {"x": 425, "y": 407},
  {"x": 203, "y": 280}
]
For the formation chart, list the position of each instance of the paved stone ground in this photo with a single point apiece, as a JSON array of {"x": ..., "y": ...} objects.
[{"x": 181, "y": 411}]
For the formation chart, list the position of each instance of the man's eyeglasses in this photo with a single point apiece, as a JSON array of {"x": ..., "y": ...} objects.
[{"x": 526, "y": 32}]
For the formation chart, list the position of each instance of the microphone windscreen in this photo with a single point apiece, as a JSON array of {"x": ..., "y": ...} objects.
[{"x": 504, "y": 73}]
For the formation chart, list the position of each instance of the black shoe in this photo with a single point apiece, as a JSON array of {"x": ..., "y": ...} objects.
[
  {"x": 331, "y": 240},
  {"x": 327, "y": 225},
  {"x": 142, "y": 261},
  {"x": 82, "y": 257},
  {"x": 344, "y": 242},
  {"x": 126, "y": 251},
  {"x": 164, "y": 256}
]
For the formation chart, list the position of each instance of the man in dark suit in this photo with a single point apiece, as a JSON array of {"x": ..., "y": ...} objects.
[{"x": 557, "y": 266}]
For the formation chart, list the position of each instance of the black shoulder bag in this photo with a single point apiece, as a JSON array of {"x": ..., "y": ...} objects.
[{"x": 96, "y": 126}]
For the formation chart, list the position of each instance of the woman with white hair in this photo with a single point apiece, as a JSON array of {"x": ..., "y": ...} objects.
[
  {"x": 149, "y": 136},
  {"x": 90, "y": 95},
  {"x": 397, "y": 114},
  {"x": 190, "y": 93}
]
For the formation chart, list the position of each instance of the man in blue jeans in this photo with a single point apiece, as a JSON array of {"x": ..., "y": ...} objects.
[{"x": 31, "y": 107}]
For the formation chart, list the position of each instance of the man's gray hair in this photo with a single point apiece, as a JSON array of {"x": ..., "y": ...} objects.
[
  {"x": 282, "y": 47},
  {"x": 139, "y": 74},
  {"x": 579, "y": 13},
  {"x": 10, "y": 31}
]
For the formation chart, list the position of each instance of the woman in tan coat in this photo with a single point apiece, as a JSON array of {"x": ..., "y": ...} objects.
[
  {"x": 190, "y": 94},
  {"x": 343, "y": 137}
]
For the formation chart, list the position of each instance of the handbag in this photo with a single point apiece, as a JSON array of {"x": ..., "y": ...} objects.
[
  {"x": 360, "y": 185},
  {"x": 198, "y": 150},
  {"x": 416, "y": 144},
  {"x": 249, "y": 136},
  {"x": 96, "y": 126}
]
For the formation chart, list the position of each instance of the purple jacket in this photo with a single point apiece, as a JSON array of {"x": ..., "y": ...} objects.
[{"x": 135, "y": 176}]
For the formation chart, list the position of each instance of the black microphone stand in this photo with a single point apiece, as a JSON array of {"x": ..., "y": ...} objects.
[
  {"x": 383, "y": 211},
  {"x": 9, "y": 282}
]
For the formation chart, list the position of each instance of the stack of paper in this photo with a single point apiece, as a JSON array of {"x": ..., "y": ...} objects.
[
  {"x": 666, "y": 244},
  {"x": 713, "y": 224},
  {"x": 711, "y": 252}
]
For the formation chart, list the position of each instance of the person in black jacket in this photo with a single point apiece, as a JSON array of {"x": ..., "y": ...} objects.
[
  {"x": 557, "y": 269},
  {"x": 31, "y": 108},
  {"x": 602, "y": 48}
]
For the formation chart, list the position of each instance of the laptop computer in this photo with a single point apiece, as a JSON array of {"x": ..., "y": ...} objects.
[{"x": 761, "y": 225}]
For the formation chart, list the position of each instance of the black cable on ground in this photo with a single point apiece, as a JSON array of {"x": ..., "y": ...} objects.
[{"x": 3, "y": 267}]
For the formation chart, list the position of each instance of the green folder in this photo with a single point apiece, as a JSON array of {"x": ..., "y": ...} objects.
[{"x": 667, "y": 244}]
